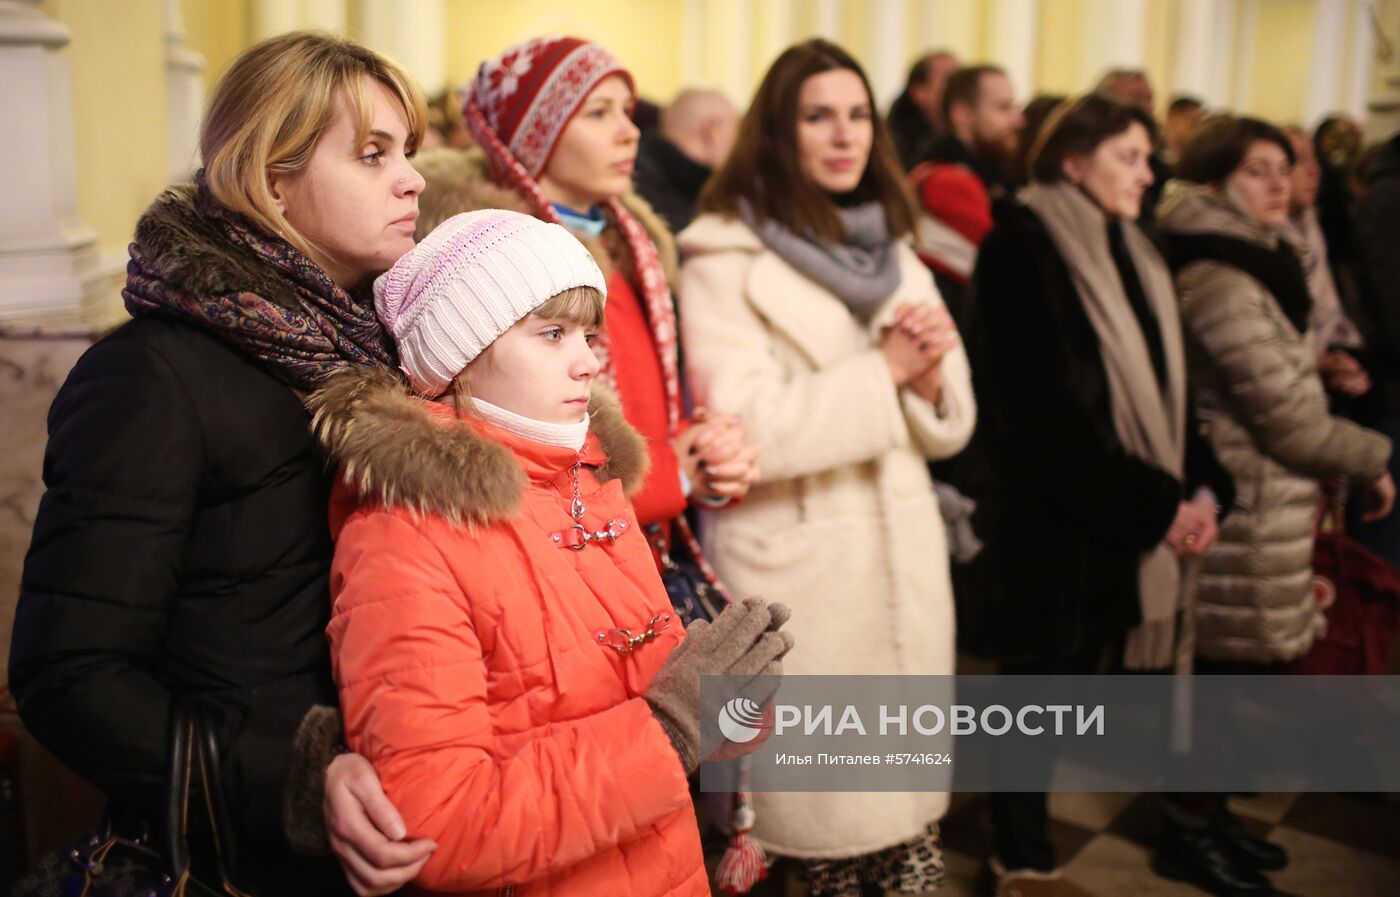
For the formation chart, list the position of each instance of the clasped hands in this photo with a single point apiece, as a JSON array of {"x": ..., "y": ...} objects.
[{"x": 915, "y": 344}]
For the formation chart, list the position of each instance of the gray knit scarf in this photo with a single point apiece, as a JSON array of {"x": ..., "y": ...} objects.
[{"x": 862, "y": 270}]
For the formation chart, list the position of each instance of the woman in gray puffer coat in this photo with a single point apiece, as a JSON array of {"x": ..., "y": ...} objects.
[{"x": 1244, "y": 307}]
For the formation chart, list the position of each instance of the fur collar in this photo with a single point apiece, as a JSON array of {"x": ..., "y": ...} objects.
[
  {"x": 1188, "y": 208},
  {"x": 396, "y": 452},
  {"x": 191, "y": 252},
  {"x": 460, "y": 181}
]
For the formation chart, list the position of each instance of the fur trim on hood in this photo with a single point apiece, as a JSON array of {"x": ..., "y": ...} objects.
[
  {"x": 190, "y": 251},
  {"x": 394, "y": 451},
  {"x": 460, "y": 181},
  {"x": 1188, "y": 208}
]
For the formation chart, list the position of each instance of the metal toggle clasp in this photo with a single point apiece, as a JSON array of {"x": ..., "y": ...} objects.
[
  {"x": 578, "y": 536},
  {"x": 624, "y": 642}
]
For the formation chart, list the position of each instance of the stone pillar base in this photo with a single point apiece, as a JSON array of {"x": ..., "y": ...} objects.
[{"x": 64, "y": 286}]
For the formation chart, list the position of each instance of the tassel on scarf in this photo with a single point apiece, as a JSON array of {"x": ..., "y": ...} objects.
[{"x": 744, "y": 863}]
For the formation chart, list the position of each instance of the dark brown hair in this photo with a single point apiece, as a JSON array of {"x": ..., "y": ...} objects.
[
  {"x": 1036, "y": 114},
  {"x": 965, "y": 86},
  {"x": 918, "y": 72},
  {"x": 1077, "y": 129},
  {"x": 764, "y": 168},
  {"x": 1184, "y": 103},
  {"x": 1220, "y": 145}
]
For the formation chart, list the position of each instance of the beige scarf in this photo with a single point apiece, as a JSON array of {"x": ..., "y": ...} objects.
[{"x": 1149, "y": 423}]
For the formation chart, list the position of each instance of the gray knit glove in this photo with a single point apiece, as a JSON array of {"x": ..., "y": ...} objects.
[{"x": 743, "y": 641}]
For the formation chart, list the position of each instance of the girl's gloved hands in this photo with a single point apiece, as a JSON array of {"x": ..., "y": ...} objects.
[{"x": 744, "y": 641}]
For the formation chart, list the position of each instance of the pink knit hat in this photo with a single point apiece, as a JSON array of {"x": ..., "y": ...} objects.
[
  {"x": 471, "y": 280},
  {"x": 531, "y": 91}
]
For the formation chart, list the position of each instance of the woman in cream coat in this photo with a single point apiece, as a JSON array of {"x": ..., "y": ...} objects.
[{"x": 830, "y": 340}]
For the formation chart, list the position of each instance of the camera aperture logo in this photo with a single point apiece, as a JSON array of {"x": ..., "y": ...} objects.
[{"x": 742, "y": 720}]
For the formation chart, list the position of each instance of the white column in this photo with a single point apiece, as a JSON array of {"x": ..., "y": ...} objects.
[
  {"x": 1325, "y": 67},
  {"x": 886, "y": 63},
  {"x": 50, "y": 271},
  {"x": 828, "y": 24},
  {"x": 1363, "y": 46},
  {"x": 692, "y": 43},
  {"x": 1220, "y": 85},
  {"x": 727, "y": 50},
  {"x": 184, "y": 96},
  {"x": 1193, "y": 44},
  {"x": 1113, "y": 37},
  {"x": 1246, "y": 42},
  {"x": 275, "y": 17},
  {"x": 412, "y": 34},
  {"x": 1014, "y": 26},
  {"x": 279, "y": 16}
]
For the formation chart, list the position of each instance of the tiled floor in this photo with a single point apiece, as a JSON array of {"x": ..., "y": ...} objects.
[{"x": 1341, "y": 845}]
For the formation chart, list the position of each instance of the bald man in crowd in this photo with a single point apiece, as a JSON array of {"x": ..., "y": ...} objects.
[
  {"x": 916, "y": 116},
  {"x": 697, "y": 131}
]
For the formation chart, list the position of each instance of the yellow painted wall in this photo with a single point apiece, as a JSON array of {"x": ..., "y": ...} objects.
[
  {"x": 117, "y": 61},
  {"x": 117, "y": 58},
  {"x": 951, "y": 25},
  {"x": 645, "y": 34},
  {"x": 855, "y": 31},
  {"x": 1159, "y": 44},
  {"x": 1058, "y": 45},
  {"x": 1282, "y": 55},
  {"x": 218, "y": 30}
]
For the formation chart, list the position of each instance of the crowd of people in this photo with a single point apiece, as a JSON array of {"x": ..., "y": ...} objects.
[{"x": 451, "y": 442}]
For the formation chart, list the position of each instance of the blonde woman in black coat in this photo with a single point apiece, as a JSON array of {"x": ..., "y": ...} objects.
[{"x": 181, "y": 550}]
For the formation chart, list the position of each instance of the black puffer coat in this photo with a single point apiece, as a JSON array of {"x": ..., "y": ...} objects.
[{"x": 181, "y": 547}]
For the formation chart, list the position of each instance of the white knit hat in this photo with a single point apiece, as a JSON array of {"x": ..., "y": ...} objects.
[{"x": 471, "y": 280}]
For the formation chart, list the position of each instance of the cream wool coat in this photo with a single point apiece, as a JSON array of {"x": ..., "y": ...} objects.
[{"x": 844, "y": 526}]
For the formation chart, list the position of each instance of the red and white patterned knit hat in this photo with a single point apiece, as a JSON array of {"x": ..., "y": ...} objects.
[
  {"x": 516, "y": 107},
  {"x": 531, "y": 91}
]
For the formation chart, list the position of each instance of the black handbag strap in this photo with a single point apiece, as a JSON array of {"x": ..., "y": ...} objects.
[
  {"x": 195, "y": 758},
  {"x": 177, "y": 789},
  {"x": 215, "y": 801}
]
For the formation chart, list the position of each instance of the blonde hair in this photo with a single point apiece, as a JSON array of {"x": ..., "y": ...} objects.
[
  {"x": 581, "y": 306},
  {"x": 275, "y": 103}
]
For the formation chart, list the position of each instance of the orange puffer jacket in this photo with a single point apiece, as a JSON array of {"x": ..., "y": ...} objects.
[{"x": 473, "y": 649}]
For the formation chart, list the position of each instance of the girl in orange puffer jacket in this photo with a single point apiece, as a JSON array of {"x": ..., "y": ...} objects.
[{"x": 505, "y": 652}]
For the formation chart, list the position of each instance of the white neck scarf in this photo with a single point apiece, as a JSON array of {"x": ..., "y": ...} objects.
[{"x": 566, "y": 435}]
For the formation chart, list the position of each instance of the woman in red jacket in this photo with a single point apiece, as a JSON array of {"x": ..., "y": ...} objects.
[
  {"x": 551, "y": 116},
  {"x": 504, "y": 649}
]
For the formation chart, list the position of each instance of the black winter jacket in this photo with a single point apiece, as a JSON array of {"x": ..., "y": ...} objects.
[
  {"x": 182, "y": 547},
  {"x": 1063, "y": 509},
  {"x": 669, "y": 180},
  {"x": 1378, "y": 263}
]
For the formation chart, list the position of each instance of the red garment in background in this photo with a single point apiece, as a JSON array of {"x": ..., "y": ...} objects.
[
  {"x": 1360, "y": 594},
  {"x": 957, "y": 216},
  {"x": 641, "y": 386}
]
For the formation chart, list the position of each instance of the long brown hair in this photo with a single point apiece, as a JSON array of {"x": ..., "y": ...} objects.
[{"x": 764, "y": 168}]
